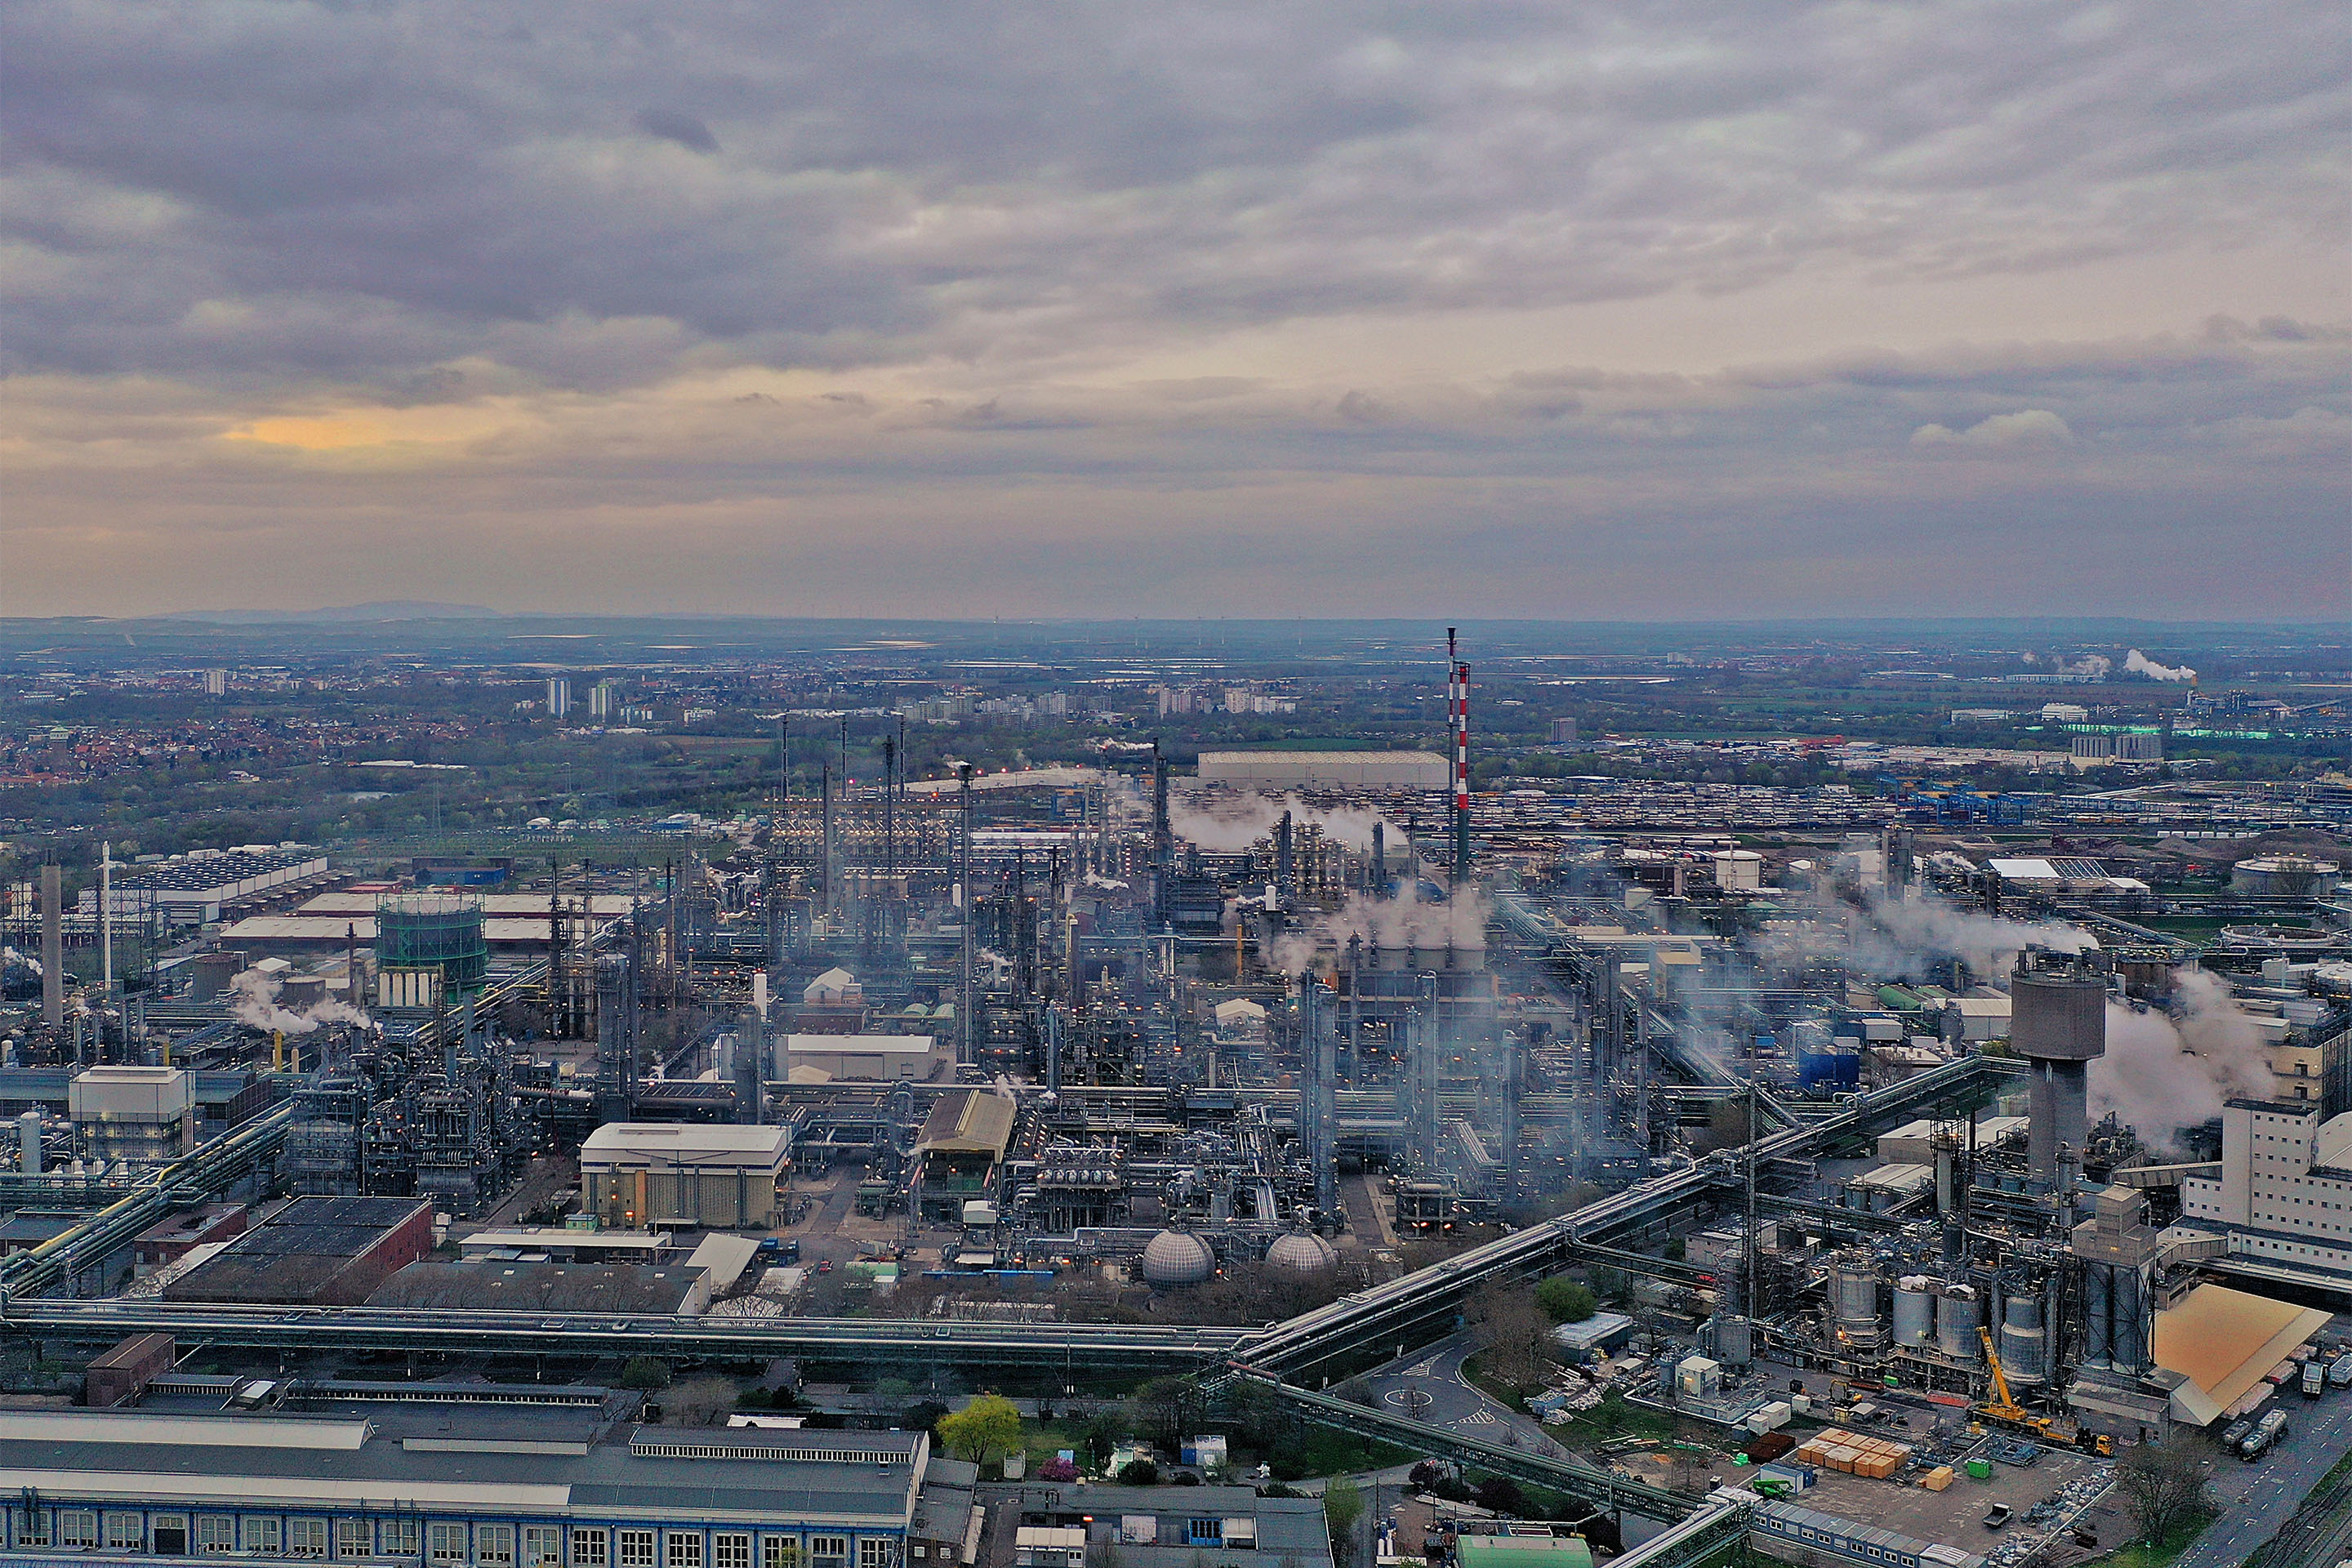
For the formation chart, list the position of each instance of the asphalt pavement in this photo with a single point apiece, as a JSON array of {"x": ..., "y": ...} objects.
[
  {"x": 1428, "y": 1385},
  {"x": 2258, "y": 1499}
]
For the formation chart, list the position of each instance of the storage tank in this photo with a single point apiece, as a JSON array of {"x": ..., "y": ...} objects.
[
  {"x": 2284, "y": 877},
  {"x": 1735, "y": 1340},
  {"x": 1301, "y": 1254},
  {"x": 1915, "y": 1312},
  {"x": 2024, "y": 1353},
  {"x": 1177, "y": 1258},
  {"x": 1959, "y": 1315},
  {"x": 1854, "y": 1299}
]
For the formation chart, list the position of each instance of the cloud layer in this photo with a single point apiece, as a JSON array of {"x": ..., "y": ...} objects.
[{"x": 1257, "y": 307}]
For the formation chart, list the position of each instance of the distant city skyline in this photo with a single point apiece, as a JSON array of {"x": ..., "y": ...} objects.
[{"x": 1180, "y": 311}]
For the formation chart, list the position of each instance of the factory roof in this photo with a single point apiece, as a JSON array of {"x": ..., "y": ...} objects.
[
  {"x": 665, "y": 1143},
  {"x": 859, "y": 1044},
  {"x": 661, "y": 1473},
  {"x": 1522, "y": 1551},
  {"x": 513, "y": 1285},
  {"x": 2224, "y": 1341},
  {"x": 975, "y": 1122},
  {"x": 2331, "y": 1146},
  {"x": 512, "y": 930}
]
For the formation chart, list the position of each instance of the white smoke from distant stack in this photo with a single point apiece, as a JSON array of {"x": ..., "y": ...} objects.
[
  {"x": 1230, "y": 824},
  {"x": 253, "y": 1001},
  {"x": 1893, "y": 939},
  {"x": 1404, "y": 921},
  {"x": 2139, "y": 663},
  {"x": 2164, "y": 1072}
]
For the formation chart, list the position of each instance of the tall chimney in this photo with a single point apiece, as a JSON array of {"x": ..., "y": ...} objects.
[{"x": 52, "y": 947}]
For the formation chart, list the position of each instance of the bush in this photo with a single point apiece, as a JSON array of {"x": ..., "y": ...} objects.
[
  {"x": 1564, "y": 1300},
  {"x": 1058, "y": 1469},
  {"x": 1138, "y": 1473},
  {"x": 1186, "y": 1478},
  {"x": 643, "y": 1371}
]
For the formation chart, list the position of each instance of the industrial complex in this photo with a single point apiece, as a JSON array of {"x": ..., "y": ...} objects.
[{"x": 1917, "y": 1171}]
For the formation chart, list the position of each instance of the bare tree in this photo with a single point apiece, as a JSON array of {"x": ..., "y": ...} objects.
[
  {"x": 1511, "y": 1330},
  {"x": 2164, "y": 1485}
]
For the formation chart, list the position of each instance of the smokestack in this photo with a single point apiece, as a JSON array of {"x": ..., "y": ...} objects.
[
  {"x": 1283, "y": 875},
  {"x": 751, "y": 1065},
  {"x": 1380, "y": 860},
  {"x": 52, "y": 947},
  {"x": 824, "y": 827},
  {"x": 965, "y": 1038},
  {"x": 1458, "y": 705},
  {"x": 2058, "y": 1023},
  {"x": 1163, "y": 839}
]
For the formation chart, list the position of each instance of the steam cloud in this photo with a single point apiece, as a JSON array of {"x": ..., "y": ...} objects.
[
  {"x": 253, "y": 1001},
  {"x": 1404, "y": 921},
  {"x": 1888, "y": 939},
  {"x": 2139, "y": 663},
  {"x": 2164, "y": 1072},
  {"x": 1229, "y": 823}
]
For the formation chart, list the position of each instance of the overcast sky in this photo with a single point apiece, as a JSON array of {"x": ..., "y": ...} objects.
[{"x": 1265, "y": 309}]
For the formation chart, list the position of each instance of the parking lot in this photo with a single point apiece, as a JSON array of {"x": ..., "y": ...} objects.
[{"x": 1956, "y": 1515}]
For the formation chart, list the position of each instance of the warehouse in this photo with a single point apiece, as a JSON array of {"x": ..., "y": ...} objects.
[
  {"x": 634, "y": 1173},
  {"x": 322, "y": 1251},
  {"x": 827, "y": 1058},
  {"x": 457, "y": 1483},
  {"x": 527, "y": 1285}
]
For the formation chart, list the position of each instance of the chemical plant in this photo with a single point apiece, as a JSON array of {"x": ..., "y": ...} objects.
[{"x": 1266, "y": 1073}]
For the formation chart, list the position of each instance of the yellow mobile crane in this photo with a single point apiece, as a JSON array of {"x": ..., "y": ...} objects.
[{"x": 2003, "y": 1410}]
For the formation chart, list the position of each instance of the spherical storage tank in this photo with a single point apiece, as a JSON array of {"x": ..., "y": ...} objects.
[
  {"x": 1177, "y": 1258},
  {"x": 1301, "y": 1253}
]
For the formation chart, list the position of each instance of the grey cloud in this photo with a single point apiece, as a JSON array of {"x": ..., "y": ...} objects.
[
  {"x": 228, "y": 193},
  {"x": 683, "y": 129}
]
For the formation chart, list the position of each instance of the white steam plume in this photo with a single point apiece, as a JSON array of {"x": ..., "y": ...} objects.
[
  {"x": 2164, "y": 1072},
  {"x": 2139, "y": 663},
  {"x": 253, "y": 1001},
  {"x": 1404, "y": 921},
  {"x": 1229, "y": 823},
  {"x": 1888, "y": 939}
]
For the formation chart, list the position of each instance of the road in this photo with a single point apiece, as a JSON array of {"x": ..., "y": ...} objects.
[
  {"x": 1428, "y": 1385},
  {"x": 2258, "y": 1499}
]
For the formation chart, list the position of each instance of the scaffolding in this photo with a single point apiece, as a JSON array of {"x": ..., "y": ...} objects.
[{"x": 437, "y": 931}]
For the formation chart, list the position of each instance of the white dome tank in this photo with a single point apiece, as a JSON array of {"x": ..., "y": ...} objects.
[
  {"x": 1302, "y": 1253},
  {"x": 1177, "y": 1258}
]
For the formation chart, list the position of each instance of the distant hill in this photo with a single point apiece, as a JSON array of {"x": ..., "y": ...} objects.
[{"x": 370, "y": 614}]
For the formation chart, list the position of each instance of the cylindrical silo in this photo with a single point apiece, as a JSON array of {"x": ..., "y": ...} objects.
[
  {"x": 1959, "y": 1315},
  {"x": 1915, "y": 1312},
  {"x": 2058, "y": 1024},
  {"x": 1854, "y": 1299},
  {"x": 28, "y": 1143},
  {"x": 1735, "y": 1340},
  {"x": 2023, "y": 1350}
]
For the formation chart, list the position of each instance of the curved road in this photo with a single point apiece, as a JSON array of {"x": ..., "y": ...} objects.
[{"x": 1428, "y": 1385}]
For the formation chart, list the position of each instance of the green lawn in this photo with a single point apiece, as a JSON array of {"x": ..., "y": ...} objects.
[{"x": 2140, "y": 1555}]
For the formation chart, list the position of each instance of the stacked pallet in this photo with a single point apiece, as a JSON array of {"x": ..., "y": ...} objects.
[{"x": 1854, "y": 1453}]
